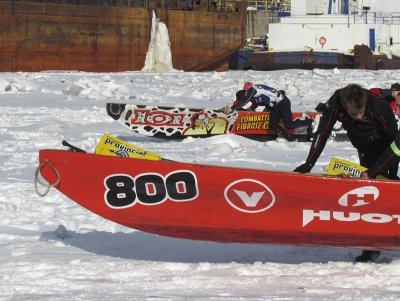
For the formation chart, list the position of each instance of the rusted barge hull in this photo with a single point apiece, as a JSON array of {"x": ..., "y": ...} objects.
[
  {"x": 360, "y": 58},
  {"x": 298, "y": 60},
  {"x": 37, "y": 36}
]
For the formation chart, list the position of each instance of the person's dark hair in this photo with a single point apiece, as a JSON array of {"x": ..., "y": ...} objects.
[
  {"x": 395, "y": 87},
  {"x": 354, "y": 96}
]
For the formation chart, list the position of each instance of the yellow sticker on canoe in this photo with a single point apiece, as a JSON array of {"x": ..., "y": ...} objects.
[
  {"x": 112, "y": 146},
  {"x": 339, "y": 166}
]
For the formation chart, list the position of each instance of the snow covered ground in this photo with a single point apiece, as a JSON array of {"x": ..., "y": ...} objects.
[{"x": 52, "y": 249}]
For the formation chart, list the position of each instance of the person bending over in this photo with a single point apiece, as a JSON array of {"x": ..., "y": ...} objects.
[
  {"x": 371, "y": 127},
  {"x": 275, "y": 101}
]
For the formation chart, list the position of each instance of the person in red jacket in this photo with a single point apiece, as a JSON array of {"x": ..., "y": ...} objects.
[
  {"x": 397, "y": 102},
  {"x": 371, "y": 127},
  {"x": 395, "y": 89},
  {"x": 388, "y": 95}
]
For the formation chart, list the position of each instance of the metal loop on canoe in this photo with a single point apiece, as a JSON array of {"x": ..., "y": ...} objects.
[{"x": 47, "y": 185}]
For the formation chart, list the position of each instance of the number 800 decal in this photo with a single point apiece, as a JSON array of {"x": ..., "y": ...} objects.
[{"x": 123, "y": 191}]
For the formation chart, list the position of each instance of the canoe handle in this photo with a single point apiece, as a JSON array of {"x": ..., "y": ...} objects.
[{"x": 47, "y": 185}]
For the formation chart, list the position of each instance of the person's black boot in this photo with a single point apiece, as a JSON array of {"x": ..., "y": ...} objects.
[
  {"x": 306, "y": 122},
  {"x": 367, "y": 256},
  {"x": 310, "y": 134},
  {"x": 281, "y": 132}
]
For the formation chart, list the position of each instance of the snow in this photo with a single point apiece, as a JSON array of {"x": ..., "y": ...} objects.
[{"x": 52, "y": 249}]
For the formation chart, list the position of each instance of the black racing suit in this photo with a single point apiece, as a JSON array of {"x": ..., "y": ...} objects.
[
  {"x": 277, "y": 104},
  {"x": 371, "y": 137},
  {"x": 388, "y": 159}
]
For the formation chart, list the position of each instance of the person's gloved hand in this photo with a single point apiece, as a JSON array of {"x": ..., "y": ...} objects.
[
  {"x": 303, "y": 168},
  {"x": 227, "y": 109},
  {"x": 272, "y": 104},
  {"x": 281, "y": 95}
]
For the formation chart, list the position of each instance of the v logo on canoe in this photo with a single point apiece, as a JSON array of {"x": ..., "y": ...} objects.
[
  {"x": 249, "y": 196},
  {"x": 250, "y": 200}
]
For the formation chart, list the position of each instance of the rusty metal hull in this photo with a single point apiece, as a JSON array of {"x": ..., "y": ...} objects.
[
  {"x": 294, "y": 60},
  {"x": 360, "y": 58},
  {"x": 364, "y": 59},
  {"x": 36, "y": 36}
]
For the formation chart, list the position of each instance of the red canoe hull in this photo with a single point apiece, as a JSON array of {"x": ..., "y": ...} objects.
[{"x": 223, "y": 204}]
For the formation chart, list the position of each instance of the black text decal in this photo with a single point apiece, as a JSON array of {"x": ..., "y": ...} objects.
[{"x": 124, "y": 191}]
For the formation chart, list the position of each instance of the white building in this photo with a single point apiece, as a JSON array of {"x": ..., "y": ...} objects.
[{"x": 338, "y": 25}]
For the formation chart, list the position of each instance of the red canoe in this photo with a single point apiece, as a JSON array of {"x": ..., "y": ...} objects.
[{"x": 214, "y": 203}]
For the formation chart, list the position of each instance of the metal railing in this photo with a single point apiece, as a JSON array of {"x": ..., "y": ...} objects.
[{"x": 392, "y": 18}]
